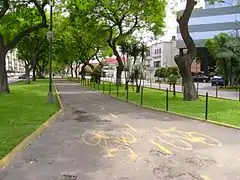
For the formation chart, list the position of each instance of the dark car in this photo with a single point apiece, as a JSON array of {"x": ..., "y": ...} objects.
[
  {"x": 217, "y": 81},
  {"x": 24, "y": 76},
  {"x": 201, "y": 78}
]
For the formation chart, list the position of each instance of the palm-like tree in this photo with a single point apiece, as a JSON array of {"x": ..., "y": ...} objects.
[
  {"x": 136, "y": 74},
  {"x": 125, "y": 48},
  {"x": 225, "y": 49},
  {"x": 229, "y": 60},
  {"x": 143, "y": 50}
]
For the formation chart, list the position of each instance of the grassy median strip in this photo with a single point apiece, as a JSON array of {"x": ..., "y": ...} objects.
[
  {"x": 23, "y": 111},
  {"x": 219, "y": 110}
]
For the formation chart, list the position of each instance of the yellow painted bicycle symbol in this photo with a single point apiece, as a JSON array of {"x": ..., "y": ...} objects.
[
  {"x": 181, "y": 140},
  {"x": 120, "y": 142}
]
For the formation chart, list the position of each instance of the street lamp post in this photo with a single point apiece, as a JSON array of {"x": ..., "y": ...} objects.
[{"x": 50, "y": 38}]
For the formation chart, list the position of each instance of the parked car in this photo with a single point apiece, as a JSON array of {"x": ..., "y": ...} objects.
[
  {"x": 201, "y": 78},
  {"x": 217, "y": 81},
  {"x": 24, "y": 76}
]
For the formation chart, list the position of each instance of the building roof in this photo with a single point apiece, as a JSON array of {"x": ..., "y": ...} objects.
[{"x": 113, "y": 60}]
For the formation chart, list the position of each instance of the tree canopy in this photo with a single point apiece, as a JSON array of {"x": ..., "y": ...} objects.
[{"x": 225, "y": 49}]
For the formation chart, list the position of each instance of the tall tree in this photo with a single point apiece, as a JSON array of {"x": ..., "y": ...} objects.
[
  {"x": 122, "y": 18},
  {"x": 18, "y": 19},
  {"x": 184, "y": 61},
  {"x": 32, "y": 49}
]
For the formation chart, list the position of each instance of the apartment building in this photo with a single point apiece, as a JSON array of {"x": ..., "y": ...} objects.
[
  {"x": 14, "y": 66},
  {"x": 208, "y": 22},
  {"x": 160, "y": 55}
]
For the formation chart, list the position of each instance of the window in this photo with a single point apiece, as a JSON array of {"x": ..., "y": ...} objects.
[
  {"x": 157, "y": 64},
  {"x": 148, "y": 53}
]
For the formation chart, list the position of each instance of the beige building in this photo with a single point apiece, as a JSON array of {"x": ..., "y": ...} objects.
[
  {"x": 14, "y": 66},
  {"x": 160, "y": 55}
]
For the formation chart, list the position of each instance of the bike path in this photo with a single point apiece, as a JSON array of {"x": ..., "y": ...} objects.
[{"x": 98, "y": 137}]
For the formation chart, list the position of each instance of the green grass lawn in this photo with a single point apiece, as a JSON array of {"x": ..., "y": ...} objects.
[
  {"x": 22, "y": 111},
  {"x": 220, "y": 110}
]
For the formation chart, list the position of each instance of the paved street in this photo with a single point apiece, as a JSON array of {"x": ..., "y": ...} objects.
[
  {"x": 12, "y": 80},
  {"x": 203, "y": 88},
  {"x": 98, "y": 137}
]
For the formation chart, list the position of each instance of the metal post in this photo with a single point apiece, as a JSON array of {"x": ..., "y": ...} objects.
[
  {"x": 167, "y": 99},
  {"x": 50, "y": 93},
  {"x": 159, "y": 84},
  {"x": 94, "y": 85},
  {"x": 151, "y": 83},
  {"x": 206, "y": 107}
]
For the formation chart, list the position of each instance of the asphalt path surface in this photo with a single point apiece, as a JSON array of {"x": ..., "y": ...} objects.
[{"x": 98, "y": 137}]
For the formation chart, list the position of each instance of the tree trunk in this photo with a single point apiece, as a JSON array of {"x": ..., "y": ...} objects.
[
  {"x": 27, "y": 73},
  {"x": 120, "y": 65},
  {"x": 38, "y": 72},
  {"x": 83, "y": 71},
  {"x": 34, "y": 67},
  {"x": 174, "y": 89},
  {"x": 4, "y": 88},
  {"x": 138, "y": 89},
  {"x": 34, "y": 73},
  {"x": 71, "y": 72},
  {"x": 184, "y": 61},
  {"x": 184, "y": 64},
  {"x": 225, "y": 72},
  {"x": 119, "y": 75},
  {"x": 76, "y": 73},
  {"x": 126, "y": 84}
]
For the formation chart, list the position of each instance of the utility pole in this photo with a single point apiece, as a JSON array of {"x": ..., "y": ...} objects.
[{"x": 50, "y": 38}]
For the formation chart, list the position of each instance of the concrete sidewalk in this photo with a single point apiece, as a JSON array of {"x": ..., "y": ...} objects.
[{"x": 101, "y": 138}]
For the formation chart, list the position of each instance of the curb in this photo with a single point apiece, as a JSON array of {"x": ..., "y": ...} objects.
[
  {"x": 193, "y": 118},
  {"x": 176, "y": 114},
  {"x": 5, "y": 161}
]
